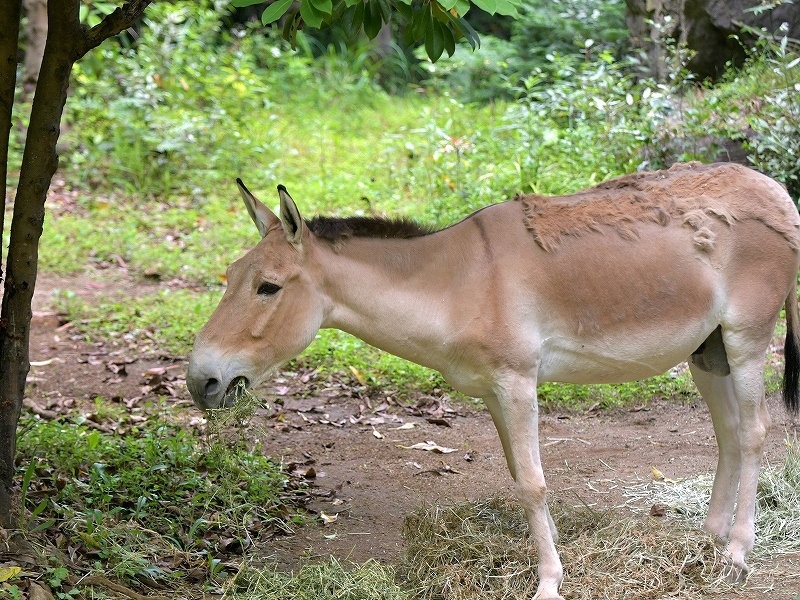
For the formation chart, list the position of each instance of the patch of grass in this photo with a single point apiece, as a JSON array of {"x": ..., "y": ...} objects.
[
  {"x": 676, "y": 385},
  {"x": 151, "y": 500},
  {"x": 329, "y": 580},
  {"x": 336, "y": 351},
  {"x": 166, "y": 322}
]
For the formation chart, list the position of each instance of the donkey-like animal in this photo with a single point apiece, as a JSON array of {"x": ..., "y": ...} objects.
[{"x": 615, "y": 283}]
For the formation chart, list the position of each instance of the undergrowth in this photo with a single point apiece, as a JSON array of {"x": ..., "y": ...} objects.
[{"x": 148, "y": 499}]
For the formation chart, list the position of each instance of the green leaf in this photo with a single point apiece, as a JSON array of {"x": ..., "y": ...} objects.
[
  {"x": 421, "y": 23},
  {"x": 372, "y": 19},
  {"x": 290, "y": 28},
  {"x": 323, "y": 6},
  {"x": 353, "y": 2},
  {"x": 465, "y": 29},
  {"x": 405, "y": 11},
  {"x": 240, "y": 3},
  {"x": 439, "y": 13},
  {"x": 490, "y": 6},
  {"x": 449, "y": 40},
  {"x": 446, "y": 4},
  {"x": 434, "y": 41},
  {"x": 105, "y": 7},
  {"x": 275, "y": 11},
  {"x": 311, "y": 16},
  {"x": 39, "y": 509},
  {"x": 352, "y": 20},
  {"x": 462, "y": 7},
  {"x": 386, "y": 10},
  {"x": 507, "y": 8}
]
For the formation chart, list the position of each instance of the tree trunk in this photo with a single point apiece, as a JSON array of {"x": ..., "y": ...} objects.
[
  {"x": 39, "y": 163},
  {"x": 36, "y": 36},
  {"x": 9, "y": 36},
  {"x": 67, "y": 42}
]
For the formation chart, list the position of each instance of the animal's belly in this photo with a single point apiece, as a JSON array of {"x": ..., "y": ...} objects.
[{"x": 616, "y": 359}]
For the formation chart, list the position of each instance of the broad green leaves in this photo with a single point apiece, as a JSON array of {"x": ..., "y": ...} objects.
[{"x": 439, "y": 24}]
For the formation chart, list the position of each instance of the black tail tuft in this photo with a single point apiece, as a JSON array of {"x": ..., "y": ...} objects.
[{"x": 791, "y": 354}]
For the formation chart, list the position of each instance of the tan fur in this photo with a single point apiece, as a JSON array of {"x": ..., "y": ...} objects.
[{"x": 699, "y": 196}]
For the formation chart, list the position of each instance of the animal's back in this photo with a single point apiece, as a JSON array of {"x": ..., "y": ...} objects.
[{"x": 692, "y": 195}]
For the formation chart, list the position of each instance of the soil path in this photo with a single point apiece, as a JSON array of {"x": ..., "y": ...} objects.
[{"x": 355, "y": 443}]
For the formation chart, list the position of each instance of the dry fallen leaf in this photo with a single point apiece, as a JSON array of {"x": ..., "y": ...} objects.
[
  {"x": 429, "y": 447},
  {"x": 328, "y": 519},
  {"x": 358, "y": 375},
  {"x": 41, "y": 363},
  {"x": 403, "y": 427},
  {"x": 7, "y": 573},
  {"x": 377, "y": 433},
  {"x": 657, "y": 475}
]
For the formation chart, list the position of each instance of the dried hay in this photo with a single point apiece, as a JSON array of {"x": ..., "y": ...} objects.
[
  {"x": 478, "y": 549},
  {"x": 319, "y": 581},
  {"x": 777, "y": 509}
]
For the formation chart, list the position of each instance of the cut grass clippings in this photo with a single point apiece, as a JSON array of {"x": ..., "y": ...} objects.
[
  {"x": 319, "y": 581},
  {"x": 777, "y": 508},
  {"x": 479, "y": 549}
]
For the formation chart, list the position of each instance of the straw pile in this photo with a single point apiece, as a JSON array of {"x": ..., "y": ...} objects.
[
  {"x": 478, "y": 550},
  {"x": 777, "y": 509},
  {"x": 320, "y": 581}
]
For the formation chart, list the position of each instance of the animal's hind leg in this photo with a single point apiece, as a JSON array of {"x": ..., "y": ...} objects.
[
  {"x": 746, "y": 350},
  {"x": 717, "y": 392}
]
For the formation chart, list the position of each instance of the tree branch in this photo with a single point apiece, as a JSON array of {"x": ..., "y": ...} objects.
[{"x": 119, "y": 20}]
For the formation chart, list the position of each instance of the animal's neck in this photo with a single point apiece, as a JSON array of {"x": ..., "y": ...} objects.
[{"x": 391, "y": 294}]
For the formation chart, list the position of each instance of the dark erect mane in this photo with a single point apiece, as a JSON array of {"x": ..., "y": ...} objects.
[{"x": 337, "y": 229}]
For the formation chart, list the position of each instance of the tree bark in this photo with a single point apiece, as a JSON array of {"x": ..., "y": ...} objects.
[
  {"x": 9, "y": 38},
  {"x": 36, "y": 36},
  {"x": 67, "y": 42}
]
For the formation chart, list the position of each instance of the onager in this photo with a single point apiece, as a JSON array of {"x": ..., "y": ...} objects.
[{"x": 615, "y": 283}]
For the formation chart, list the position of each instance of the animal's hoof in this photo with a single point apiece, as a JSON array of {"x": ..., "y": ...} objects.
[{"x": 736, "y": 573}]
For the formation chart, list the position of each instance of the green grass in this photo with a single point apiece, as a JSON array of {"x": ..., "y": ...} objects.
[
  {"x": 166, "y": 322},
  {"x": 152, "y": 490}
]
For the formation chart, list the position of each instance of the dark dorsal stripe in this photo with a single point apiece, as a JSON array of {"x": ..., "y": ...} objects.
[{"x": 337, "y": 229}]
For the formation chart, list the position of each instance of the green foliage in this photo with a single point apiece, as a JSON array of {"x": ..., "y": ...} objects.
[
  {"x": 543, "y": 35},
  {"x": 437, "y": 23},
  {"x": 167, "y": 321},
  {"x": 776, "y": 147},
  {"x": 151, "y": 480},
  {"x": 336, "y": 351}
]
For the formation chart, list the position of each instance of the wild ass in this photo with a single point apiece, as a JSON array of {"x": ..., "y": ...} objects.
[{"x": 615, "y": 283}]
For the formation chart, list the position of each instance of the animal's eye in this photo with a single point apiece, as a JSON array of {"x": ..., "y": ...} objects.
[{"x": 268, "y": 289}]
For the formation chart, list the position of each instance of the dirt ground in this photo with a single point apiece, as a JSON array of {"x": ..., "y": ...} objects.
[{"x": 356, "y": 443}]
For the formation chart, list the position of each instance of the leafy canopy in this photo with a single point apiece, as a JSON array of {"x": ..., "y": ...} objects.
[{"x": 439, "y": 23}]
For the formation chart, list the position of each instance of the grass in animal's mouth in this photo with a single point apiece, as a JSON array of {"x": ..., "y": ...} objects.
[{"x": 236, "y": 389}]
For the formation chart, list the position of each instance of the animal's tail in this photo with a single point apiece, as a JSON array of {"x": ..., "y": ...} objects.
[{"x": 791, "y": 352}]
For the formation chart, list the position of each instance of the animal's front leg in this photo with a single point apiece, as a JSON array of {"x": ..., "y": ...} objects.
[{"x": 516, "y": 416}]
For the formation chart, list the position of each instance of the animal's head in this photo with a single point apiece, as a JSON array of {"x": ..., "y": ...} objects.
[{"x": 269, "y": 313}]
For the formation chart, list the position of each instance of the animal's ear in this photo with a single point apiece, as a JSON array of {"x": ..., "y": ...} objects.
[
  {"x": 263, "y": 217},
  {"x": 290, "y": 218}
]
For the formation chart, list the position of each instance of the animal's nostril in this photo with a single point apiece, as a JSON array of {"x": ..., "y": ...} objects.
[{"x": 212, "y": 387}]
